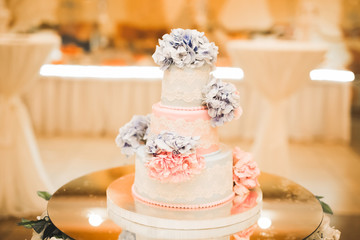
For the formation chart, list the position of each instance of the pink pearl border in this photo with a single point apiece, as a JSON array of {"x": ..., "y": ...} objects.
[
  {"x": 182, "y": 108},
  {"x": 181, "y": 206}
]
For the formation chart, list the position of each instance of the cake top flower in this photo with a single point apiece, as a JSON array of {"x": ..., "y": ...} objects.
[{"x": 185, "y": 48}]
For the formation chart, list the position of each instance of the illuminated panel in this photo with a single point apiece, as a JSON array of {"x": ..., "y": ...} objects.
[
  {"x": 143, "y": 72},
  {"x": 332, "y": 75}
]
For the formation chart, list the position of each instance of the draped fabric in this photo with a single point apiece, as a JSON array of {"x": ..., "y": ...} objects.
[
  {"x": 28, "y": 14},
  {"x": 98, "y": 107},
  {"x": 21, "y": 173},
  {"x": 277, "y": 69}
]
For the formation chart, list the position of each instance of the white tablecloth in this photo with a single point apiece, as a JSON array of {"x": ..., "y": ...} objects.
[
  {"x": 98, "y": 107},
  {"x": 21, "y": 171},
  {"x": 277, "y": 69}
]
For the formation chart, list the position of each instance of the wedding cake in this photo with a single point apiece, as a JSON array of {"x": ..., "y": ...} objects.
[{"x": 179, "y": 161}]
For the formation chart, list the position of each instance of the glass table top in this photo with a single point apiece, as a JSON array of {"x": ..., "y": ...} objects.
[{"x": 79, "y": 208}]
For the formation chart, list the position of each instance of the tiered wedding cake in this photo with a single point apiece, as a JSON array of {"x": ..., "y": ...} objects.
[{"x": 179, "y": 160}]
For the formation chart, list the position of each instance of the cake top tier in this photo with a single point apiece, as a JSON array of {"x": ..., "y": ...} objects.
[{"x": 185, "y": 48}]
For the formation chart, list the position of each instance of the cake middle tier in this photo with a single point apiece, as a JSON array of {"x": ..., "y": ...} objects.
[
  {"x": 214, "y": 184},
  {"x": 186, "y": 122}
]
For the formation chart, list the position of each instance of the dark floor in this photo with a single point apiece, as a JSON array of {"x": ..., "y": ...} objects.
[
  {"x": 10, "y": 231},
  {"x": 348, "y": 225},
  {"x": 355, "y": 131}
]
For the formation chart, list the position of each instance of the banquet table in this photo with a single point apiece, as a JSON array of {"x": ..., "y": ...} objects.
[
  {"x": 21, "y": 172},
  {"x": 276, "y": 69},
  {"x": 79, "y": 209},
  {"x": 97, "y": 107}
]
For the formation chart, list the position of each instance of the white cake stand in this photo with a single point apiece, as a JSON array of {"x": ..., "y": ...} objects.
[{"x": 166, "y": 223}]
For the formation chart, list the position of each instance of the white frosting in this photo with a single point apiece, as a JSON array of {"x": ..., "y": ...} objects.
[
  {"x": 213, "y": 184},
  {"x": 169, "y": 213},
  {"x": 181, "y": 87},
  {"x": 199, "y": 127}
]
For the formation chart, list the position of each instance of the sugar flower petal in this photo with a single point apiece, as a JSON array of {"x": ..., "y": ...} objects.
[
  {"x": 172, "y": 167},
  {"x": 185, "y": 48},
  {"x": 171, "y": 142},
  {"x": 245, "y": 171},
  {"x": 222, "y": 101},
  {"x": 133, "y": 134}
]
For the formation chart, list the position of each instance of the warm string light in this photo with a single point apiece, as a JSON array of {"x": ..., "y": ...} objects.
[
  {"x": 95, "y": 219},
  {"x": 264, "y": 222}
]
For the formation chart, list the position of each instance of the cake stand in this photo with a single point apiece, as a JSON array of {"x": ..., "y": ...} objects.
[
  {"x": 169, "y": 223},
  {"x": 79, "y": 209}
]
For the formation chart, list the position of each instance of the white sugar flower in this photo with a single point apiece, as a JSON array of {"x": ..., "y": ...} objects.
[
  {"x": 171, "y": 142},
  {"x": 222, "y": 101},
  {"x": 325, "y": 232},
  {"x": 133, "y": 134},
  {"x": 126, "y": 235},
  {"x": 185, "y": 48}
]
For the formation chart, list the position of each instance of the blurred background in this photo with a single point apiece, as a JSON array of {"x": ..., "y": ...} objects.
[
  {"x": 75, "y": 113},
  {"x": 133, "y": 27}
]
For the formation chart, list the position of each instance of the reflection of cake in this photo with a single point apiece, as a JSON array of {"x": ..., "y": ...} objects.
[{"x": 179, "y": 160}]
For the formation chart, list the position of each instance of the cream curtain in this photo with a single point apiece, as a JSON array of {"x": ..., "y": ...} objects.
[
  {"x": 97, "y": 107},
  {"x": 21, "y": 172}
]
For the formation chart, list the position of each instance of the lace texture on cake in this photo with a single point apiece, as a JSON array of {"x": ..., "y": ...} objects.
[
  {"x": 199, "y": 127},
  {"x": 178, "y": 94},
  {"x": 184, "y": 85},
  {"x": 188, "y": 76},
  {"x": 212, "y": 182}
]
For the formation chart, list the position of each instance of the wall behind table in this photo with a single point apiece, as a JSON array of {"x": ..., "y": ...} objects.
[
  {"x": 89, "y": 107},
  {"x": 98, "y": 107}
]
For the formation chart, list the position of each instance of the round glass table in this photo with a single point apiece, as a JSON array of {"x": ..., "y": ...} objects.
[{"x": 79, "y": 209}]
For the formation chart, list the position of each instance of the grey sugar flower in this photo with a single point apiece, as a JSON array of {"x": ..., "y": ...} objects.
[
  {"x": 185, "y": 48},
  {"x": 133, "y": 134},
  {"x": 221, "y": 100},
  {"x": 171, "y": 142},
  {"x": 126, "y": 235}
]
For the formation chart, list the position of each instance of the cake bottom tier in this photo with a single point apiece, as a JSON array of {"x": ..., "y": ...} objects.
[{"x": 213, "y": 186}]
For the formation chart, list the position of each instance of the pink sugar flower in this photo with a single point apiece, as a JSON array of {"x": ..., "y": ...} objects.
[
  {"x": 242, "y": 204},
  {"x": 245, "y": 170},
  {"x": 241, "y": 192},
  {"x": 237, "y": 113},
  {"x": 245, "y": 234},
  {"x": 170, "y": 167}
]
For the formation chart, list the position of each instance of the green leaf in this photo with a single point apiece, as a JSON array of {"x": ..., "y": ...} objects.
[
  {"x": 326, "y": 208},
  {"x": 49, "y": 231},
  {"x": 25, "y": 223},
  {"x": 44, "y": 195},
  {"x": 39, "y": 226}
]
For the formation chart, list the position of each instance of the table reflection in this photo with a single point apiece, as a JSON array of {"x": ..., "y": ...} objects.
[{"x": 79, "y": 209}]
